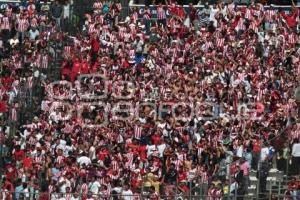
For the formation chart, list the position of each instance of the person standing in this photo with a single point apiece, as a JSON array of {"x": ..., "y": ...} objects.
[
  {"x": 147, "y": 19},
  {"x": 22, "y": 25},
  {"x": 56, "y": 12},
  {"x": 126, "y": 193},
  {"x": 296, "y": 157},
  {"x": 263, "y": 173},
  {"x": 245, "y": 167},
  {"x": 161, "y": 16}
]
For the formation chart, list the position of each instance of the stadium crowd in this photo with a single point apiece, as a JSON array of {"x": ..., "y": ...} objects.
[{"x": 151, "y": 107}]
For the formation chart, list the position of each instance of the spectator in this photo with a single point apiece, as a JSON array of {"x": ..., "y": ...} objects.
[
  {"x": 296, "y": 157},
  {"x": 56, "y": 12}
]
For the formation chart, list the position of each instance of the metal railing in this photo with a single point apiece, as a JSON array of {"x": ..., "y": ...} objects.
[{"x": 35, "y": 195}]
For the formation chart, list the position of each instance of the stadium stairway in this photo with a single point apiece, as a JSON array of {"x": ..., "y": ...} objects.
[{"x": 277, "y": 183}]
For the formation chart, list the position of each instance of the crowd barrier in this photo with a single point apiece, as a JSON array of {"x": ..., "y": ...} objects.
[
  {"x": 80, "y": 196},
  {"x": 152, "y": 8}
]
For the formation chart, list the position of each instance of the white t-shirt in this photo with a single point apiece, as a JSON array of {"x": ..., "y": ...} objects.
[
  {"x": 65, "y": 185},
  {"x": 92, "y": 152},
  {"x": 33, "y": 34},
  {"x": 192, "y": 174},
  {"x": 264, "y": 153},
  {"x": 127, "y": 195},
  {"x": 296, "y": 150},
  {"x": 13, "y": 42},
  {"x": 240, "y": 151},
  {"x": 213, "y": 12},
  {"x": 84, "y": 160},
  {"x": 94, "y": 187},
  {"x": 150, "y": 149},
  {"x": 161, "y": 148}
]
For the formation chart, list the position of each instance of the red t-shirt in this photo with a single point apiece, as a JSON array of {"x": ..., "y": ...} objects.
[
  {"x": 19, "y": 155},
  {"x": 182, "y": 176},
  {"x": 85, "y": 68},
  {"x": 103, "y": 154},
  {"x": 142, "y": 152},
  {"x": 44, "y": 196},
  {"x": 95, "y": 45},
  {"x": 27, "y": 162},
  {"x": 256, "y": 147},
  {"x": 291, "y": 19},
  {"x": 155, "y": 139}
]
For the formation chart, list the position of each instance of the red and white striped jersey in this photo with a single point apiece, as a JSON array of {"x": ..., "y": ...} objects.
[
  {"x": 115, "y": 165},
  {"x": 68, "y": 196},
  {"x": 122, "y": 32},
  {"x": 34, "y": 22},
  {"x": 240, "y": 25},
  {"x": 130, "y": 157},
  {"x": 137, "y": 132},
  {"x": 147, "y": 14},
  {"x": 204, "y": 177},
  {"x": 39, "y": 159},
  {"x": 249, "y": 14},
  {"x": 98, "y": 5},
  {"x": 67, "y": 50},
  {"x": 14, "y": 114},
  {"x": 293, "y": 38},
  {"x": 50, "y": 189},
  {"x": 60, "y": 159},
  {"x": 254, "y": 26},
  {"x": 18, "y": 64},
  {"x": 296, "y": 134},
  {"x": 161, "y": 13},
  {"x": 119, "y": 7},
  {"x": 45, "y": 62},
  {"x": 91, "y": 28},
  {"x": 84, "y": 188},
  {"x": 30, "y": 81},
  {"x": 134, "y": 17},
  {"x": 220, "y": 42},
  {"x": 100, "y": 19},
  {"x": 22, "y": 25},
  {"x": 208, "y": 45},
  {"x": 269, "y": 15},
  {"x": 178, "y": 163},
  {"x": 5, "y": 23}
]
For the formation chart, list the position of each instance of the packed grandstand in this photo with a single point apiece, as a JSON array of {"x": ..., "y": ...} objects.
[{"x": 102, "y": 100}]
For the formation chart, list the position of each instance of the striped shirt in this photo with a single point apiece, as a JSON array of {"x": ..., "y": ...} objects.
[
  {"x": 137, "y": 132},
  {"x": 147, "y": 14},
  {"x": 97, "y": 5},
  {"x": 22, "y": 25},
  {"x": 30, "y": 81},
  {"x": 269, "y": 15},
  {"x": 14, "y": 114},
  {"x": 292, "y": 38},
  {"x": 161, "y": 13},
  {"x": 5, "y": 23},
  {"x": 45, "y": 61},
  {"x": 34, "y": 22},
  {"x": 220, "y": 42},
  {"x": 240, "y": 25},
  {"x": 249, "y": 14}
]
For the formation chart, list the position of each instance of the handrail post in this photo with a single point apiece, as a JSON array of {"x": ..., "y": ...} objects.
[
  {"x": 279, "y": 189},
  {"x": 270, "y": 190},
  {"x": 235, "y": 191},
  {"x": 190, "y": 190}
]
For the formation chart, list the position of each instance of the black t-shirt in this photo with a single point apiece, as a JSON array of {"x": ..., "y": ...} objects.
[{"x": 171, "y": 176}]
